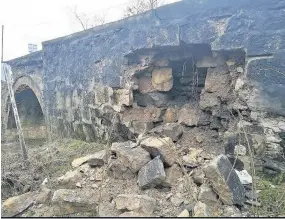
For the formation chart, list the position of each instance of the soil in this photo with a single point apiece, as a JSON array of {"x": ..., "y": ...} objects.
[
  {"x": 52, "y": 160},
  {"x": 46, "y": 160}
]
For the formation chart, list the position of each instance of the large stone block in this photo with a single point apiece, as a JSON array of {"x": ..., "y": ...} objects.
[
  {"x": 152, "y": 174},
  {"x": 103, "y": 94},
  {"x": 225, "y": 181},
  {"x": 171, "y": 130},
  {"x": 162, "y": 79},
  {"x": 163, "y": 147},
  {"x": 157, "y": 99},
  {"x": 151, "y": 114},
  {"x": 68, "y": 201},
  {"x": 173, "y": 173},
  {"x": 96, "y": 159},
  {"x": 217, "y": 79},
  {"x": 201, "y": 210},
  {"x": 129, "y": 160},
  {"x": 207, "y": 195},
  {"x": 123, "y": 97},
  {"x": 209, "y": 101},
  {"x": 145, "y": 85},
  {"x": 17, "y": 204},
  {"x": 171, "y": 115},
  {"x": 70, "y": 178},
  {"x": 189, "y": 115},
  {"x": 141, "y": 127},
  {"x": 137, "y": 203}
]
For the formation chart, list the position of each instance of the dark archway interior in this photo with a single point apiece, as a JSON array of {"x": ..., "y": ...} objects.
[
  {"x": 29, "y": 109},
  {"x": 189, "y": 65}
]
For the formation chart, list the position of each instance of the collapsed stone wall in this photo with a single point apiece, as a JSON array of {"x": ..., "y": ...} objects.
[
  {"x": 211, "y": 110},
  {"x": 198, "y": 99},
  {"x": 130, "y": 76},
  {"x": 86, "y": 74}
]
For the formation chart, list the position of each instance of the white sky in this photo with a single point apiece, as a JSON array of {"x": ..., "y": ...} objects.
[{"x": 35, "y": 21}]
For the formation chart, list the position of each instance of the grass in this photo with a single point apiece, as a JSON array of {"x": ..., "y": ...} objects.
[
  {"x": 46, "y": 160},
  {"x": 272, "y": 195}
]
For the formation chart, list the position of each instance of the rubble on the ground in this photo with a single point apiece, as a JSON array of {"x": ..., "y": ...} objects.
[
  {"x": 68, "y": 201},
  {"x": 201, "y": 210},
  {"x": 97, "y": 159},
  {"x": 184, "y": 213},
  {"x": 17, "y": 204},
  {"x": 136, "y": 203},
  {"x": 126, "y": 161},
  {"x": 207, "y": 195},
  {"x": 225, "y": 181},
  {"x": 152, "y": 174},
  {"x": 163, "y": 147}
]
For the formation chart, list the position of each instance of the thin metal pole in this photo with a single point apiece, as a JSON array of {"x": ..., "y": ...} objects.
[
  {"x": 8, "y": 75},
  {"x": 2, "y": 55}
]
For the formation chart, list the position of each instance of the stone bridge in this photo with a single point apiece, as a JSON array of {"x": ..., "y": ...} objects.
[{"x": 214, "y": 66}]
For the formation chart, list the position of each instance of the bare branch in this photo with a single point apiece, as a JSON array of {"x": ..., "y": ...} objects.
[
  {"x": 78, "y": 18},
  {"x": 140, "y": 6},
  {"x": 89, "y": 21}
]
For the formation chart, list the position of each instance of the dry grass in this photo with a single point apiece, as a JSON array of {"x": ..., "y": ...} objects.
[{"x": 46, "y": 160}]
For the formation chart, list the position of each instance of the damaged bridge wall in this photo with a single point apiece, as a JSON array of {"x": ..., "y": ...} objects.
[{"x": 88, "y": 79}]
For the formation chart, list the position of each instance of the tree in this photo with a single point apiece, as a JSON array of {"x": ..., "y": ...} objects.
[
  {"x": 140, "y": 6},
  {"x": 86, "y": 21}
]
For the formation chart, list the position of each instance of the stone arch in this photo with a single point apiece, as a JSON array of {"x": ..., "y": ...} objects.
[{"x": 23, "y": 82}]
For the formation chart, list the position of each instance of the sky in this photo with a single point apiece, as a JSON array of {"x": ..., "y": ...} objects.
[{"x": 35, "y": 21}]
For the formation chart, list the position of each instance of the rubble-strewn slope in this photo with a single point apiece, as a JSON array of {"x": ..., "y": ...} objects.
[{"x": 130, "y": 179}]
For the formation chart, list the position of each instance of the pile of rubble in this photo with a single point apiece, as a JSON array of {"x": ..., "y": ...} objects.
[{"x": 150, "y": 177}]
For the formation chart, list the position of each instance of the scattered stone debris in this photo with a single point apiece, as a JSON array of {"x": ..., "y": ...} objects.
[
  {"x": 173, "y": 173},
  {"x": 231, "y": 211},
  {"x": 132, "y": 214},
  {"x": 177, "y": 200},
  {"x": 97, "y": 159},
  {"x": 163, "y": 147},
  {"x": 68, "y": 201},
  {"x": 167, "y": 110},
  {"x": 171, "y": 130},
  {"x": 184, "y": 213},
  {"x": 225, "y": 181},
  {"x": 17, "y": 204},
  {"x": 128, "y": 160},
  {"x": 152, "y": 174},
  {"x": 254, "y": 203},
  {"x": 244, "y": 177},
  {"x": 207, "y": 195},
  {"x": 78, "y": 185},
  {"x": 201, "y": 210},
  {"x": 136, "y": 203},
  {"x": 198, "y": 176}
]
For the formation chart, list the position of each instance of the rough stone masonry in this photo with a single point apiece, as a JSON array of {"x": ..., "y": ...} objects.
[{"x": 193, "y": 71}]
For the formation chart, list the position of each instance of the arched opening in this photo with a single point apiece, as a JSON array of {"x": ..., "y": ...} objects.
[{"x": 30, "y": 113}]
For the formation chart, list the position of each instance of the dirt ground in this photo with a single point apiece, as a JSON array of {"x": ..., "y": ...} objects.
[
  {"x": 46, "y": 160},
  {"x": 52, "y": 160}
]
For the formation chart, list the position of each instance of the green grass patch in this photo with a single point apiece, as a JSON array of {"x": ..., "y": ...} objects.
[{"x": 272, "y": 195}]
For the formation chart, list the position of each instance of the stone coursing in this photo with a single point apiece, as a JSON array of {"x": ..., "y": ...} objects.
[{"x": 124, "y": 78}]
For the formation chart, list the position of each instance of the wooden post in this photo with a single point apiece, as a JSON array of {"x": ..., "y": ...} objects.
[
  {"x": 8, "y": 75},
  {"x": 2, "y": 55}
]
